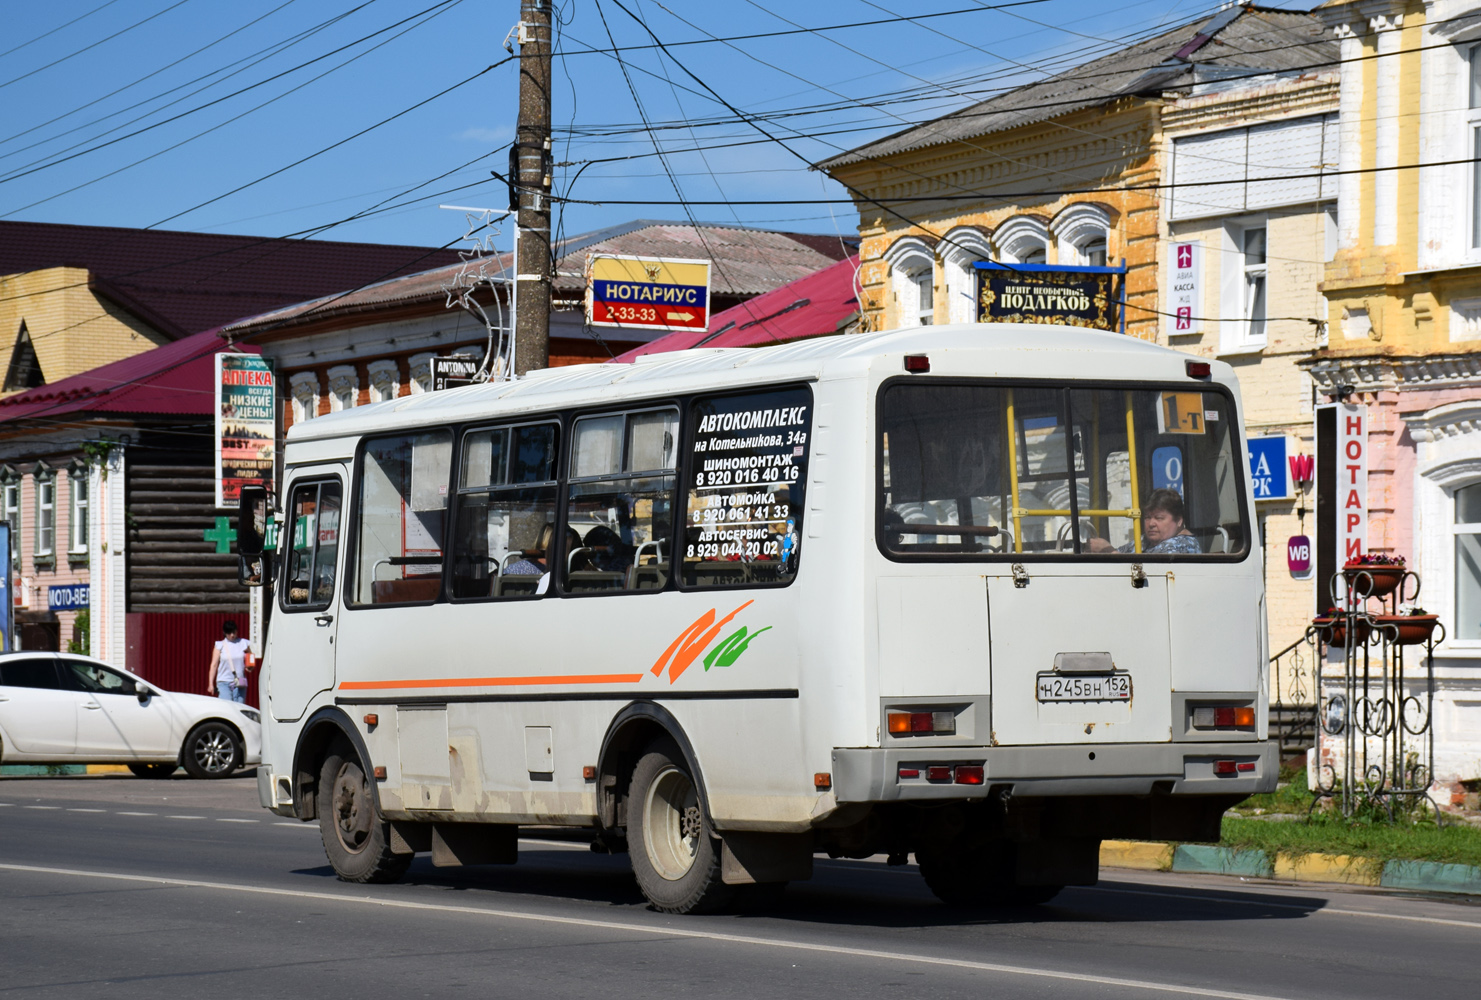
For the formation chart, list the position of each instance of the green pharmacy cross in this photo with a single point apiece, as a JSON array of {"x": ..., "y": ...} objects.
[{"x": 223, "y": 535}]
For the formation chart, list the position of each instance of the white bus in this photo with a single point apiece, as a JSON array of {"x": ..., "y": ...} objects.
[{"x": 981, "y": 594}]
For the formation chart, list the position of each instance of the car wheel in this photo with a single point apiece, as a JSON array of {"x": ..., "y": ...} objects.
[
  {"x": 356, "y": 840},
  {"x": 212, "y": 750},
  {"x": 153, "y": 770},
  {"x": 675, "y": 855}
]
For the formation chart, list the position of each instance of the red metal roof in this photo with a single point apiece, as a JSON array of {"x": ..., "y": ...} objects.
[
  {"x": 185, "y": 282},
  {"x": 174, "y": 379},
  {"x": 818, "y": 305}
]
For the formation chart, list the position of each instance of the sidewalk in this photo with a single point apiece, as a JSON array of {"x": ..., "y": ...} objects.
[{"x": 1206, "y": 859}]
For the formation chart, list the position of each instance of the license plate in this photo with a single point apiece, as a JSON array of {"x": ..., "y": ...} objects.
[{"x": 1088, "y": 687}]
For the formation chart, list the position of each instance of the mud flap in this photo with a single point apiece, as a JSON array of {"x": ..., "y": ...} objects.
[{"x": 747, "y": 858}]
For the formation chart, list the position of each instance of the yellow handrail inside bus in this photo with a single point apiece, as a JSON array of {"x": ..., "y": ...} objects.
[
  {"x": 1013, "y": 474},
  {"x": 1136, "y": 493}
]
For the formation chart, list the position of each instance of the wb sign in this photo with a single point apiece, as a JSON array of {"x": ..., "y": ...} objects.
[{"x": 1269, "y": 472}]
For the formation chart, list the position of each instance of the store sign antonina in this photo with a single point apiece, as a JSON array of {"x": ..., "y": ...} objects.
[
  {"x": 1074, "y": 298},
  {"x": 650, "y": 293}
]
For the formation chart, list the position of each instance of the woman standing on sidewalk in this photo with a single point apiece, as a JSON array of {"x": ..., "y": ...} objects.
[{"x": 228, "y": 677}]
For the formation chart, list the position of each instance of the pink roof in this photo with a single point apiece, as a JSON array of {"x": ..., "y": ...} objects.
[
  {"x": 174, "y": 379},
  {"x": 818, "y": 305}
]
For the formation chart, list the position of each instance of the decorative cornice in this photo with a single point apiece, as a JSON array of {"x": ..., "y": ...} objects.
[
  {"x": 1380, "y": 374},
  {"x": 1452, "y": 420}
]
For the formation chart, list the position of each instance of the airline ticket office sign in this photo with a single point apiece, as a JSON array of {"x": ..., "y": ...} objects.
[{"x": 649, "y": 293}]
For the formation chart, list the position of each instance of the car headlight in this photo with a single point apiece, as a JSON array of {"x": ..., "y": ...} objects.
[{"x": 252, "y": 715}]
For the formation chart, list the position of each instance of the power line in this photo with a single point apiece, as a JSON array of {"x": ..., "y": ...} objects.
[
  {"x": 53, "y": 31},
  {"x": 88, "y": 48}
]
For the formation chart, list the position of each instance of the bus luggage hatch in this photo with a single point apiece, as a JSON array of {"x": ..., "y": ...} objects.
[{"x": 1052, "y": 680}]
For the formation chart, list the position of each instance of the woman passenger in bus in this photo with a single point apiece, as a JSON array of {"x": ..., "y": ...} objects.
[
  {"x": 1163, "y": 530},
  {"x": 537, "y": 561}
]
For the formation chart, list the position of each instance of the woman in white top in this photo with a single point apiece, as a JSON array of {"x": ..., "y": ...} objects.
[{"x": 229, "y": 665}]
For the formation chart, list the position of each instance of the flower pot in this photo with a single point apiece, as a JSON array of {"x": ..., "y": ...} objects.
[
  {"x": 1382, "y": 578},
  {"x": 1413, "y": 630},
  {"x": 1334, "y": 630}
]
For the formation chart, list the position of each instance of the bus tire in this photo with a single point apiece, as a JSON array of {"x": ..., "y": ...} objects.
[
  {"x": 356, "y": 840},
  {"x": 970, "y": 879},
  {"x": 675, "y": 855}
]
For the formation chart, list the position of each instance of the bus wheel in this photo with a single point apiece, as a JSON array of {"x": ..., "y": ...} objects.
[
  {"x": 675, "y": 855},
  {"x": 356, "y": 840},
  {"x": 975, "y": 879}
]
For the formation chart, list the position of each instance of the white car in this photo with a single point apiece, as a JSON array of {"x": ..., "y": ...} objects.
[{"x": 60, "y": 708}]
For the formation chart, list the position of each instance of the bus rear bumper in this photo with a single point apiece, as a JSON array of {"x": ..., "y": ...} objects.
[{"x": 906, "y": 775}]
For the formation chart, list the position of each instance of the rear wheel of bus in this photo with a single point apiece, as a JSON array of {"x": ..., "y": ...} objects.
[
  {"x": 675, "y": 855},
  {"x": 356, "y": 839}
]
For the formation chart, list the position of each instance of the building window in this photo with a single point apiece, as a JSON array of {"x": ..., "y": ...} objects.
[
  {"x": 344, "y": 388},
  {"x": 12, "y": 496},
  {"x": 1467, "y": 529},
  {"x": 925, "y": 298},
  {"x": 303, "y": 398},
  {"x": 1254, "y": 285},
  {"x": 1474, "y": 134},
  {"x": 962, "y": 248},
  {"x": 384, "y": 380},
  {"x": 77, "y": 487},
  {"x": 1022, "y": 240},
  {"x": 46, "y": 513},
  {"x": 912, "y": 277}
]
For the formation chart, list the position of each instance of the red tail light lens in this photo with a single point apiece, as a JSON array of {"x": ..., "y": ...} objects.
[
  {"x": 1199, "y": 369},
  {"x": 1225, "y": 767},
  {"x": 938, "y": 774},
  {"x": 969, "y": 774},
  {"x": 917, "y": 364}
]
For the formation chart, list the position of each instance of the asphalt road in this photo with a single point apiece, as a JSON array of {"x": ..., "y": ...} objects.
[{"x": 121, "y": 887}]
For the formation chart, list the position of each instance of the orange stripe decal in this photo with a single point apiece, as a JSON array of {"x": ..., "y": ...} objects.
[
  {"x": 700, "y": 624},
  {"x": 440, "y": 682}
]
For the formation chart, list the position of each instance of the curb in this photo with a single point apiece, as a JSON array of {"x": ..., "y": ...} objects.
[
  {"x": 1342, "y": 869},
  {"x": 59, "y": 770}
]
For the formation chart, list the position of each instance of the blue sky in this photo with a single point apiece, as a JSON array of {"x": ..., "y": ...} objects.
[{"x": 88, "y": 89}]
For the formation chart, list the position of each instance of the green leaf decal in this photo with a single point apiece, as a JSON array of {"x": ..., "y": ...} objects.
[{"x": 731, "y": 648}]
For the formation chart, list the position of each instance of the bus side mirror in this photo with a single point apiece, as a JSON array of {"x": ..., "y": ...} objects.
[
  {"x": 252, "y": 518},
  {"x": 252, "y": 570}
]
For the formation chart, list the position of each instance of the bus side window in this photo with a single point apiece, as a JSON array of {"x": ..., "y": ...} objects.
[
  {"x": 744, "y": 491},
  {"x": 621, "y": 502},
  {"x": 403, "y": 500},
  {"x": 313, "y": 545},
  {"x": 506, "y": 512}
]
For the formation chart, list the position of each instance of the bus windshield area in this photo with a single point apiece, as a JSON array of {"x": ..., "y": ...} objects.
[{"x": 982, "y": 470}]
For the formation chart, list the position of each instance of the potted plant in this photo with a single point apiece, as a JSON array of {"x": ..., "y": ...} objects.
[
  {"x": 1412, "y": 626},
  {"x": 1374, "y": 574},
  {"x": 1332, "y": 626}
]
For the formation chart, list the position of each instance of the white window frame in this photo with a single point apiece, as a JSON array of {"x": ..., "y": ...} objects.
[
  {"x": 1472, "y": 101},
  {"x": 344, "y": 388},
  {"x": 1457, "y": 529},
  {"x": 420, "y": 367},
  {"x": 1020, "y": 238},
  {"x": 961, "y": 248},
  {"x": 78, "y": 503},
  {"x": 45, "y": 481},
  {"x": 1236, "y": 287},
  {"x": 385, "y": 380},
  {"x": 303, "y": 396},
  {"x": 11, "y": 497},
  {"x": 1079, "y": 227},
  {"x": 911, "y": 261},
  {"x": 1447, "y": 458}
]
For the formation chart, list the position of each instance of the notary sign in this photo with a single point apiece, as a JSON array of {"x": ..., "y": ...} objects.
[
  {"x": 1073, "y": 298},
  {"x": 650, "y": 293},
  {"x": 246, "y": 424}
]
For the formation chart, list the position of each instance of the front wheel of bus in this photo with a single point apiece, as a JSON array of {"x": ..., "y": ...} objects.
[
  {"x": 356, "y": 840},
  {"x": 675, "y": 855}
]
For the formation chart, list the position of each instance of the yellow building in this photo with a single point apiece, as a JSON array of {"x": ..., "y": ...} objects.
[{"x": 1404, "y": 353}]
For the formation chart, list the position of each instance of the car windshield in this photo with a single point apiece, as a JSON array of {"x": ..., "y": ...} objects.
[{"x": 983, "y": 470}]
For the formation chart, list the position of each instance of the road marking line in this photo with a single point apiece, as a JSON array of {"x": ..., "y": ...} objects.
[
  {"x": 1313, "y": 910},
  {"x": 185, "y": 817},
  {"x": 86, "y": 810},
  {"x": 136, "y": 814},
  {"x": 219, "y": 820},
  {"x": 661, "y": 931},
  {"x": 5, "y": 804},
  {"x": 298, "y": 826},
  {"x": 58, "y": 808}
]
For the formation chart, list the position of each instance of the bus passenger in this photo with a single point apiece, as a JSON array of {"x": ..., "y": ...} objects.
[
  {"x": 537, "y": 561},
  {"x": 1163, "y": 530}
]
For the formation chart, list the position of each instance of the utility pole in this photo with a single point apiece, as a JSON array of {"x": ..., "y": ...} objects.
[{"x": 529, "y": 169}]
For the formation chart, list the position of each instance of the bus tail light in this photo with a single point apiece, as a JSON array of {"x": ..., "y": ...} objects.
[
  {"x": 1225, "y": 767},
  {"x": 1199, "y": 369},
  {"x": 928, "y": 723},
  {"x": 917, "y": 364},
  {"x": 938, "y": 773},
  {"x": 970, "y": 774},
  {"x": 910, "y": 772},
  {"x": 1224, "y": 717}
]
